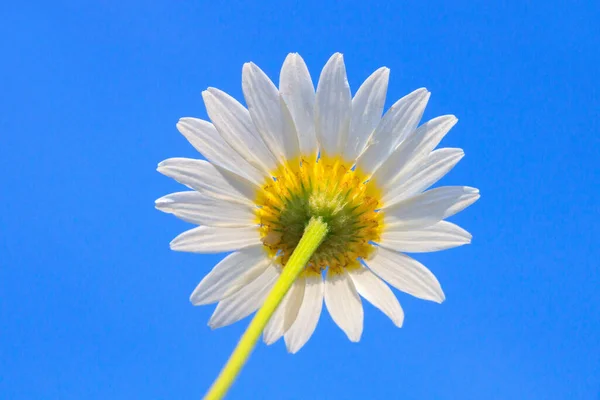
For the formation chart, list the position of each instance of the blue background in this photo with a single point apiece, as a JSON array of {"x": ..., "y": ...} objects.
[{"x": 93, "y": 304}]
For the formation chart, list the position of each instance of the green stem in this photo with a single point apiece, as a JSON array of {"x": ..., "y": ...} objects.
[{"x": 313, "y": 236}]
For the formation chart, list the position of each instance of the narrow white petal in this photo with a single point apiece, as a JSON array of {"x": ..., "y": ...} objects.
[
  {"x": 274, "y": 328},
  {"x": 367, "y": 107},
  {"x": 429, "y": 207},
  {"x": 265, "y": 108},
  {"x": 286, "y": 313},
  {"x": 308, "y": 315},
  {"x": 398, "y": 123},
  {"x": 217, "y": 282},
  {"x": 344, "y": 304},
  {"x": 296, "y": 88},
  {"x": 376, "y": 292},
  {"x": 437, "y": 164},
  {"x": 295, "y": 301},
  {"x": 234, "y": 124},
  {"x": 406, "y": 274},
  {"x": 333, "y": 104},
  {"x": 210, "y": 239},
  {"x": 205, "y": 138},
  {"x": 289, "y": 135},
  {"x": 440, "y": 236},
  {"x": 244, "y": 302},
  {"x": 247, "y": 277},
  {"x": 471, "y": 196},
  {"x": 413, "y": 151},
  {"x": 206, "y": 178},
  {"x": 201, "y": 209}
]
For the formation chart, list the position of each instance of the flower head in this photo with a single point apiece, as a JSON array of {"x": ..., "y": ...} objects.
[{"x": 295, "y": 154}]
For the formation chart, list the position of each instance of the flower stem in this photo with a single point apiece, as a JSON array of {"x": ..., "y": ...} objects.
[{"x": 314, "y": 233}]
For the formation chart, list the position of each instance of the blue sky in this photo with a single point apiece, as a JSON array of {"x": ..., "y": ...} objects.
[{"x": 93, "y": 304}]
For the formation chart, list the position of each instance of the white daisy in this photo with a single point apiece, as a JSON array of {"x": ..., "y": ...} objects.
[{"x": 294, "y": 154}]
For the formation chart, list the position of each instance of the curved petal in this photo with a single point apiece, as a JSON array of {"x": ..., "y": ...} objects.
[
  {"x": 298, "y": 92},
  {"x": 308, "y": 314},
  {"x": 440, "y": 236},
  {"x": 429, "y": 207},
  {"x": 367, "y": 106},
  {"x": 205, "y": 138},
  {"x": 200, "y": 209},
  {"x": 286, "y": 313},
  {"x": 437, "y": 164},
  {"x": 396, "y": 125},
  {"x": 376, "y": 292},
  {"x": 413, "y": 151},
  {"x": 234, "y": 124},
  {"x": 288, "y": 132},
  {"x": 470, "y": 196},
  {"x": 204, "y": 177},
  {"x": 210, "y": 239},
  {"x": 217, "y": 283},
  {"x": 332, "y": 107},
  {"x": 245, "y": 301},
  {"x": 264, "y": 105},
  {"x": 343, "y": 303},
  {"x": 406, "y": 274}
]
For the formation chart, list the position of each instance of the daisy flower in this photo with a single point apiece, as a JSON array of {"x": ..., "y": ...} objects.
[{"x": 293, "y": 154}]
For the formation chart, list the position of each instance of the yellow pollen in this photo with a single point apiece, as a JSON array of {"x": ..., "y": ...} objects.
[{"x": 328, "y": 188}]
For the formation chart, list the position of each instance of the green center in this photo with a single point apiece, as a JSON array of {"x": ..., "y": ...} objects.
[{"x": 339, "y": 215}]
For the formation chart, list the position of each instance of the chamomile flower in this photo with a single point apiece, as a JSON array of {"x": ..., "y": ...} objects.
[{"x": 295, "y": 153}]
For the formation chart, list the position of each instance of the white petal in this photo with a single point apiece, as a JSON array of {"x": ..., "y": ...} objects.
[
  {"x": 295, "y": 301},
  {"x": 204, "y": 177},
  {"x": 265, "y": 109},
  {"x": 344, "y": 304},
  {"x": 201, "y": 209},
  {"x": 234, "y": 124},
  {"x": 376, "y": 292},
  {"x": 217, "y": 282},
  {"x": 244, "y": 302},
  {"x": 274, "y": 328},
  {"x": 440, "y": 236},
  {"x": 333, "y": 106},
  {"x": 289, "y": 134},
  {"x": 367, "y": 106},
  {"x": 396, "y": 125},
  {"x": 429, "y": 207},
  {"x": 406, "y": 274},
  {"x": 286, "y": 313},
  {"x": 437, "y": 164},
  {"x": 205, "y": 138},
  {"x": 296, "y": 88},
  {"x": 308, "y": 315},
  {"x": 471, "y": 196},
  {"x": 413, "y": 151},
  {"x": 210, "y": 239}
]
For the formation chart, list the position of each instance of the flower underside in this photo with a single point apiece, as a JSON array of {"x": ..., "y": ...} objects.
[{"x": 328, "y": 188}]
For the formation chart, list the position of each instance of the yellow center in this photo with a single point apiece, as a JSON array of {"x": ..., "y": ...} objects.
[{"x": 327, "y": 188}]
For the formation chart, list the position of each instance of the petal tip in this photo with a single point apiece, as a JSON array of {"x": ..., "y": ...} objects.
[
  {"x": 249, "y": 67},
  {"x": 175, "y": 245},
  {"x": 440, "y": 297},
  {"x": 355, "y": 337},
  {"x": 194, "y": 299},
  {"x": 161, "y": 202},
  {"x": 210, "y": 91},
  {"x": 270, "y": 339}
]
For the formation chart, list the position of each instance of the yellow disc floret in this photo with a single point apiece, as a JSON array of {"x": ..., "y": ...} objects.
[{"x": 327, "y": 188}]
